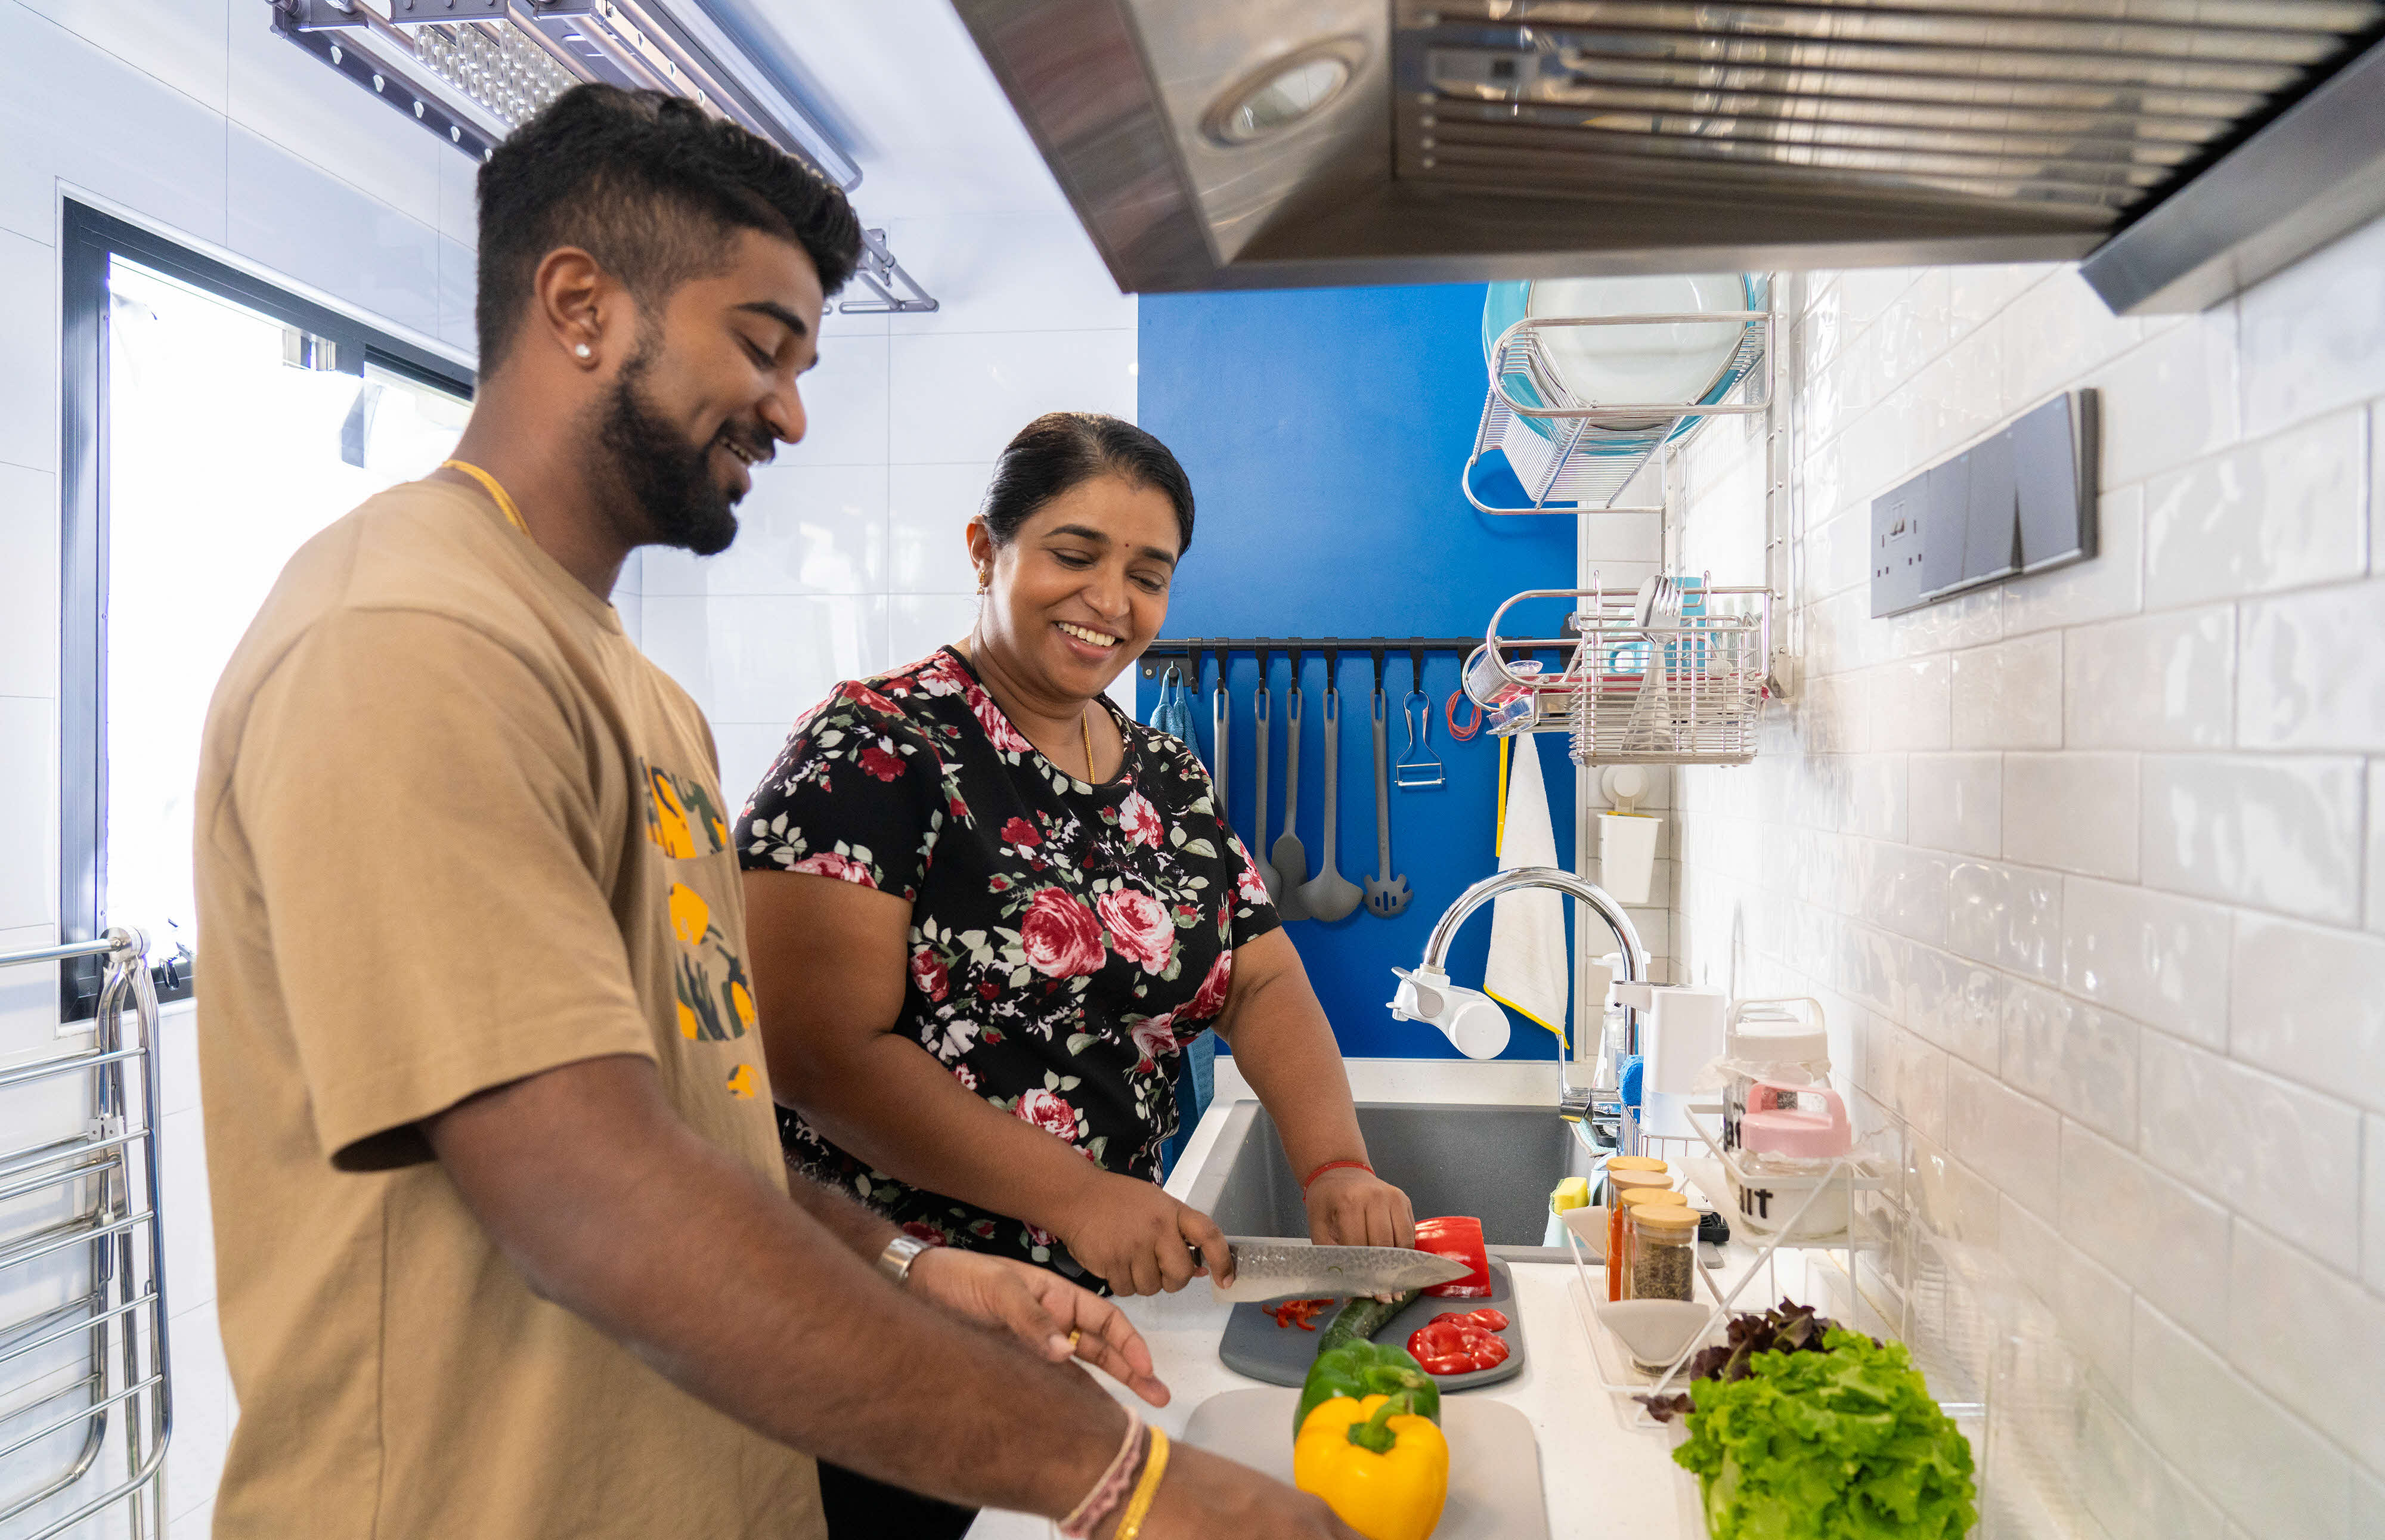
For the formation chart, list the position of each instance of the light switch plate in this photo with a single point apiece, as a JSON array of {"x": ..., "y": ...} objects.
[
  {"x": 1896, "y": 550},
  {"x": 2021, "y": 500}
]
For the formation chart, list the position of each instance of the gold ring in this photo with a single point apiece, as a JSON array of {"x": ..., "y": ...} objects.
[{"x": 1073, "y": 1336}]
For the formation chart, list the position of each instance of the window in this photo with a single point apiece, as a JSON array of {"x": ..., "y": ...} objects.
[{"x": 214, "y": 424}]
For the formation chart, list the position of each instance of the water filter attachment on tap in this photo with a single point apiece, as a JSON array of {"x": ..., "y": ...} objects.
[{"x": 1471, "y": 1019}]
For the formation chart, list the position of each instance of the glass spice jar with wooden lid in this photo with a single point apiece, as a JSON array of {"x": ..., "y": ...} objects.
[
  {"x": 1628, "y": 1173},
  {"x": 1626, "y": 1202},
  {"x": 1663, "y": 1252}
]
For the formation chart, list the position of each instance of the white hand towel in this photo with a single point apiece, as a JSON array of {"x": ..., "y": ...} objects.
[{"x": 1527, "y": 967}]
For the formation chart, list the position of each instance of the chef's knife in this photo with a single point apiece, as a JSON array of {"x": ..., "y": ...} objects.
[{"x": 1277, "y": 1269}]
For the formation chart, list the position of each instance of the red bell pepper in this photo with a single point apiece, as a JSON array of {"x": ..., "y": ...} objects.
[
  {"x": 1459, "y": 1239},
  {"x": 1454, "y": 1344},
  {"x": 1297, "y": 1312},
  {"x": 1486, "y": 1317}
]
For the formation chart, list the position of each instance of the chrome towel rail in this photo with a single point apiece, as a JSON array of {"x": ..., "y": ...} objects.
[{"x": 116, "y": 1303}]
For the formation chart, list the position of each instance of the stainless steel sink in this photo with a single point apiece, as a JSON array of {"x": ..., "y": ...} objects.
[{"x": 1498, "y": 1163}]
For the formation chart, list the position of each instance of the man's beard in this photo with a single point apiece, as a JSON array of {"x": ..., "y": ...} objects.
[{"x": 665, "y": 480}]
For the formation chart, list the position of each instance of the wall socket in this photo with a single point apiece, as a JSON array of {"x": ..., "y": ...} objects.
[{"x": 2021, "y": 500}]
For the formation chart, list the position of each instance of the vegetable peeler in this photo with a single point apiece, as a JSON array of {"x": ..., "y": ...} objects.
[{"x": 1419, "y": 770}]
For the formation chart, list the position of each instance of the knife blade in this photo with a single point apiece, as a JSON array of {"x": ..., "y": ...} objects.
[{"x": 1266, "y": 1269}]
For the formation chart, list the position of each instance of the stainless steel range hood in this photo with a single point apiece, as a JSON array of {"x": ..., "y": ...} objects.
[{"x": 1268, "y": 143}]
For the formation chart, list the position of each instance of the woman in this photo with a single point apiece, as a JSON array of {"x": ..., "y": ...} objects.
[{"x": 986, "y": 912}]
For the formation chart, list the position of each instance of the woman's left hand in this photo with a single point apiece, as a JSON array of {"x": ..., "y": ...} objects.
[
  {"x": 1042, "y": 1310},
  {"x": 1349, "y": 1206}
]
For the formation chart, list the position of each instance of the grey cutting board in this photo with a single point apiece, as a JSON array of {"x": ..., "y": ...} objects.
[
  {"x": 1255, "y": 1345},
  {"x": 1494, "y": 1461}
]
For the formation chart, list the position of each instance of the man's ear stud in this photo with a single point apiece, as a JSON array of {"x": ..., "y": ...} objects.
[{"x": 584, "y": 351}]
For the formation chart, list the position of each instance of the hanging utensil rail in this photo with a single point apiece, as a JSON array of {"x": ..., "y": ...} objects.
[{"x": 119, "y": 1310}]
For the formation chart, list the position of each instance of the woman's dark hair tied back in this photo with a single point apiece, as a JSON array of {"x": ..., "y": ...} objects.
[{"x": 1061, "y": 451}]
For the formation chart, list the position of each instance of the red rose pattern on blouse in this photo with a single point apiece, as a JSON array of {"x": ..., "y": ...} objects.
[{"x": 1067, "y": 940}]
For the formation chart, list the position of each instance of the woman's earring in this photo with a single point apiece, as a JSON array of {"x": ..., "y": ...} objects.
[
  {"x": 984, "y": 579},
  {"x": 583, "y": 351}
]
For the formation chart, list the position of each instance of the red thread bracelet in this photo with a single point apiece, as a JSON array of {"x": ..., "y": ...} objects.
[{"x": 1334, "y": 1165}]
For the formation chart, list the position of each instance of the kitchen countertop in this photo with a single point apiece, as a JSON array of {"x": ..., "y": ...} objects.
[{"x": 1603, "y": 1480}]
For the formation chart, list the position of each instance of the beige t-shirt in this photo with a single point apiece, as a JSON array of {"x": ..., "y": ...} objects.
[{"x": 454, "y": 829}]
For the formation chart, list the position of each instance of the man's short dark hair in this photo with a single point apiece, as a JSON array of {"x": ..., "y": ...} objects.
[{"x": 650, "y": 186}]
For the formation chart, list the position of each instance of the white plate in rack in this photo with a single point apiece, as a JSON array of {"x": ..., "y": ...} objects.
[{"x": 1494, "y": 1458}]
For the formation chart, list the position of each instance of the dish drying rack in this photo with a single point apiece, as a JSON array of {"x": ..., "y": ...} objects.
[
  {"x": 90, "y": 1261},
  {"x": 1589, "y": 451},
  {"x": 1684, "y": 690},
  {"x": 1991, "y": 1353}
]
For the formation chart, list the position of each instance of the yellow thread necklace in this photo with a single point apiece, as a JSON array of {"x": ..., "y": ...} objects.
[{"x": 505, "y": 503}]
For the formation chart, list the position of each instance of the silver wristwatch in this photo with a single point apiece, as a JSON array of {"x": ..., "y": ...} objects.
[{"x": 896, "y": 1259}]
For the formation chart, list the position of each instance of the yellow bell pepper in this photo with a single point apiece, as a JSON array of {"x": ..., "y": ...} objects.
[{"x": 1376, "y": 1463}]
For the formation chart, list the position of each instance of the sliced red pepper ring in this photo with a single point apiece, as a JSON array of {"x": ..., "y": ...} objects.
[{"x": 1297, "y": 1312}]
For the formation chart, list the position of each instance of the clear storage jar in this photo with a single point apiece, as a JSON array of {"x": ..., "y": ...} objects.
[{"x": 1663, "y": 1252}]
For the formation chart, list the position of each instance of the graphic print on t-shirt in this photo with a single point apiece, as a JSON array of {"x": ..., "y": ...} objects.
[{"x": 709, "y": 985}]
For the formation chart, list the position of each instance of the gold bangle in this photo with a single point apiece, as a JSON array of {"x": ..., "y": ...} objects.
[{"x": 1138, "y": 1506}]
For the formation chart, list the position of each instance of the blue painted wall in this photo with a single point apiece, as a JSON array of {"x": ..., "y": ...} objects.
[{"x": 1324, "y": 431}]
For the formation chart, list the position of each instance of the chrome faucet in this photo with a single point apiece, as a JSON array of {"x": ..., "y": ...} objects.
[{"x": 1476, "y": 1024}]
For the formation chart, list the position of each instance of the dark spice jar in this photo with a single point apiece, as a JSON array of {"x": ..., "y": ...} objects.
[{"x": 1663, "y": 1252}]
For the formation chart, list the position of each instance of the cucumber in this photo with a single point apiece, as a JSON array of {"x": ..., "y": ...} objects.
[{"x": 1358, "y": 1319}]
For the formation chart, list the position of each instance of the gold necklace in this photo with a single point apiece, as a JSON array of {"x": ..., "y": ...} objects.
[
  {"x": 1085, "y": 723},
  {"x": 505, "y": 504}
]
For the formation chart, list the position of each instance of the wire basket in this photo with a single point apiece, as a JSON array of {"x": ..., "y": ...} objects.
[{"x": 1685, "y": 691}]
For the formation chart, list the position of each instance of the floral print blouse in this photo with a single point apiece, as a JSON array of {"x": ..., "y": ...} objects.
[{"x": 1067, "y": 940}]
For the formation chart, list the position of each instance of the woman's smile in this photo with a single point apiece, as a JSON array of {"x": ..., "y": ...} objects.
[{"x": 1086, "y": 642}]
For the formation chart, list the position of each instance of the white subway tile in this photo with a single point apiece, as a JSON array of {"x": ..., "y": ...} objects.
[
  {"x": 74, "y": 112},
  {"x": 298, "y": 219},
  {"x": 1957, "y": 802},
  {"x": 2372, "y": 1202},
  {"x": 1901, "y": 890},
  {"x": 2006, "y": 915},
  {"x": 2106, "y": 585},
  {"x": 1914, "y": 1080},
  {"x": 29, "y": 995},
  {"x": 2314, "y": 335},
  {"x": 184, "y": 1205},
  {"x": 2092, "y": 1302},
  {"x": 961, "y": 398},
  {"x": 460, "y": 200},
  {"x": 2130, "y": 1488},
  {"x": 2309, "y": 1336},
  {"x": 2166, "y": 1241},
  {"x": 1966, "y": 621},
  {"x": 1909, "y": 704},
  {"x": 2055, "y": 333},
  {"x": 28, "y": 775},
  {"x": 2010, "y": 1139},
  {"x": 2274, "y": 832},
  {"x": 2282, "y": 513},
  {"x": 458, "y": 290},
  {"x": 920, "y": 623},
  {"x": 29, "y": 580},
  {"x": 804, "y": 529},
  {"x": 2076, "y": 812},
  {"x": 846, "y": 406},
  {"x": 2080, "y": 1059},
  {"x": 2312, "y": 674},
  {"x": 2273, "y": 1474},
  {"x": 29, "y": 359},
  {"x": 928, "y": 513},
  {"x": 1974, "y": 293},
  {"x": 2159, "y": 958},
  {"x": 2158, "y": 682},
  {"x": 747, "y": 751},
  {"x": 2171, "y": 399},
  {"x": 1008, "y": 272},
  {"x": 2288, "y": 1155},
  {"x": 2376, "y": 881},
  {"x": 182, "y": 44},
  {"x": 288, "y": 98},
  {"x": 1836, "y": 714},
  {"x": 2309, "y": 1004},
  {"x": 765, "y": 659},
  {"x": 2009, "y": 695},
  {"x": 1956, "y": 1006}
]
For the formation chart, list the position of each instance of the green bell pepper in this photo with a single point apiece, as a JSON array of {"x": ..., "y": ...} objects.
[{"x": 1362, "y": 1368}]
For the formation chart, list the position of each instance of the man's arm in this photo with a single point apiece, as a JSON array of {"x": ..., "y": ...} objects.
[{"x": 614, "y": 1209}]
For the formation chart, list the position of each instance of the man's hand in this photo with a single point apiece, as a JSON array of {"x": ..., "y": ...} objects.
[
  {"x": 1202, "y": 1495},
  {"x": 1348, "y": 1207},
  {"x": 1041, "y": 1310}
]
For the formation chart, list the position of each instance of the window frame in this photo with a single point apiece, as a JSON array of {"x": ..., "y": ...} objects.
[{"x": 88, "y": 240}]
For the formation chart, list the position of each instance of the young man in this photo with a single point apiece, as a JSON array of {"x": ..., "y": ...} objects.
[{"x": 504, "y": 1244}]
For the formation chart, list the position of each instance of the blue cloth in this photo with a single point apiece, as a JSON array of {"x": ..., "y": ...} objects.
[
  {"x": 1172, "y": 713},
  {"x": 1630, "y": 1081}
]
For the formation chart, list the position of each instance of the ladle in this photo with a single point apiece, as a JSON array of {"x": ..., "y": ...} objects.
[{"x": 1328, "y": 895}]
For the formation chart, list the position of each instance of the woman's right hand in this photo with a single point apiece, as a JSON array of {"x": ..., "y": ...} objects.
[{"x": 1141, "y": 1241}]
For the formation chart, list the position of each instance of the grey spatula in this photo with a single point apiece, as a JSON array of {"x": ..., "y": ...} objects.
[
  {"x": 1328, "y": 895},
  {"x": 1291, "y": 862}
]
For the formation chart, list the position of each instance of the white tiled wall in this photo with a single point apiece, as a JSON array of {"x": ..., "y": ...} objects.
[
  {"x": 851, "y": 555},
  {"x": 189, "y": 113},
  {"x": 2087, "y": 868}
]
